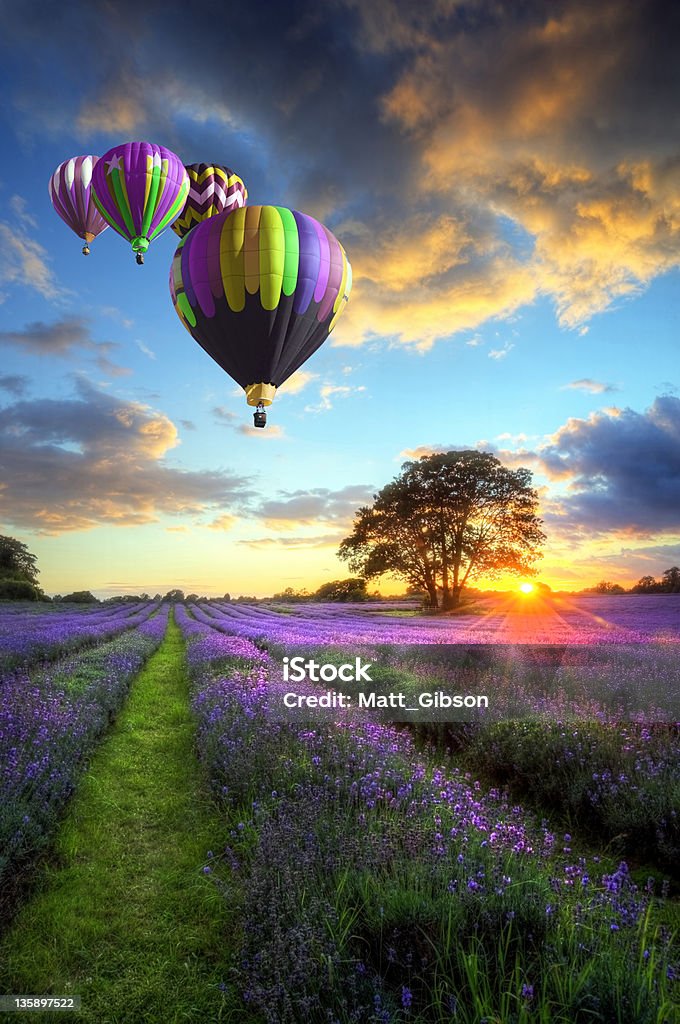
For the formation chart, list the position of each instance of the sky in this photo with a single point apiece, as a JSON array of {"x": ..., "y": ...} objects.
[{"x": 505, "y": 179}]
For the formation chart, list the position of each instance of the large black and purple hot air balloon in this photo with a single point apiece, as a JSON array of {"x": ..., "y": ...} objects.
[{"x": 260, "y": 289}]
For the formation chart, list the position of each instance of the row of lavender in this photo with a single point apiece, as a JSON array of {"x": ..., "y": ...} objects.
[
  {"x": 378, "y": 886},
  {"x": 620, "y": 619},
  {"x": 28, "y": 636},
  {"x": 50, "y": 719},
  {"x": 605, "y": 752}
]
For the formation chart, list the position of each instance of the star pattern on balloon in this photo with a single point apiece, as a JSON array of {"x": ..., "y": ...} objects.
[{"x": 114, "y": 163}]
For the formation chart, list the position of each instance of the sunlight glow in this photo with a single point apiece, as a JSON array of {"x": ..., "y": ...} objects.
[{"x": 527, "y": 588}]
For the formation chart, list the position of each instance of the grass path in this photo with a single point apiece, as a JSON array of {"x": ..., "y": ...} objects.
[{"x": 124, "y": 915}]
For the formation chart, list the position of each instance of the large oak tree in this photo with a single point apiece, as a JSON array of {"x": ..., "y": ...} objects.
[{"x": 446, "y": 520}]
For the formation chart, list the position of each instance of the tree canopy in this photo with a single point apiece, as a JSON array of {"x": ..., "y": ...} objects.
[
  {"x": 445, "y": 520},
  {"x": 17, "y": 562},
  {"x": 353, "y": 589}
]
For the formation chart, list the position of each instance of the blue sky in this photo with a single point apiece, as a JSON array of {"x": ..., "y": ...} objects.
[{"x": 506, "y": 182}]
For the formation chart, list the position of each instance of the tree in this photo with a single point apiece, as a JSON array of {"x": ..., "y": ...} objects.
[
  {"x": 646, "y": 585},
  {"x": 353, "y": 589},
  {"x": 607, "y": 587},
  {"x": 80, "y": 597},
  {"x": 445, "y": 520},
  {"x": 670, "y": 581},
  {"x": 17, "y": 562},
  {"x": 18, "y": 590}
]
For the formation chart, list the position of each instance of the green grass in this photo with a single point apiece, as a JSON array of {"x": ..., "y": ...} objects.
[{"x": 123, "y": 914}]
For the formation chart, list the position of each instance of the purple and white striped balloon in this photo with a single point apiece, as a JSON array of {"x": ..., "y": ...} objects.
[{"x": 70, "y": 189}]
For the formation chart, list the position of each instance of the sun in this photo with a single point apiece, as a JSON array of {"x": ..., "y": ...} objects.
[{"x": 526, "y": 588}]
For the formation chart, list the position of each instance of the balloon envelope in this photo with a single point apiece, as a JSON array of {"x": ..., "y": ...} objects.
[
  {"x": 70, "y": 189},
  {"x": 140, "y": 188},
  {"x": 213, "y": 189},
  {"x": 260, "y": 289}
]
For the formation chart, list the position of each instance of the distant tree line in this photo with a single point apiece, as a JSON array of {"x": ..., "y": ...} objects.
[
  {"x": 668, "y": 584},
  {"x": 352, "y": 589},
  {"x": 19, "y": 571}
]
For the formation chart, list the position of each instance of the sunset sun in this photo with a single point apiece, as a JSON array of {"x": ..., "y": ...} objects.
[{"x": 526, "y": 588}]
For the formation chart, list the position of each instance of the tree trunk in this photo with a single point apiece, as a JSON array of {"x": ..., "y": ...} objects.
[
  {"x": 453, "y": 599},
  {"x": 432, "y": 593}
]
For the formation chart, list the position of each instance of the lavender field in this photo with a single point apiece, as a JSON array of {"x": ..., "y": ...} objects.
[{"x": 512, "y": 868}]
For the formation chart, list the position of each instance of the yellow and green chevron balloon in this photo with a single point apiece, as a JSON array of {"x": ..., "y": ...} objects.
[{"x": 213, "y": 189}]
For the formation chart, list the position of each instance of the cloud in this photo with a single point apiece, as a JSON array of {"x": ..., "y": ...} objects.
[
  {"x": 463, "y": 185},
  {"x": 61, "y": 339},
  {"x": 234, "y": 421},
  {"x": 460, "y": 300},
  {"x": 13, "y": 384},
  {"x": 622, "y": 471},
  {"x": 295, "y": 384},
  {"x": 24, "y": 261},
  {"x": 145, "y": 349},
  {"x": 224, "y": 522},
  {"x": 314, "y": 543},
  {"x": 120, "y": 109},
  {"x": 74, "y": 464},
  {"x": 225, "y": 416},
  {"x": 314, "y": 507},
  {"x": 615, "y": 474},
  {"x": 593, "y": 387},
  {"x": 273, "y": 432},
  {"x": 552, "y": 138},
  {"x": 501, "y": 353},
  {"x": 332, "y": 391},
  {"x": 19, "y": 207}
]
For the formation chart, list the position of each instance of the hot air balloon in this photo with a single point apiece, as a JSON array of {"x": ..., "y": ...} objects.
[
  {"x": 70, "y": 190},
  {"x": 140, "y": 188},
  {"x": 212, "y": 190},
  {"x": 260, "y": 289}
]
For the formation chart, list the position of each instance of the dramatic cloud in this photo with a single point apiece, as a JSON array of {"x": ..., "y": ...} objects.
[
  {"x": 614, "y": 474},
  {"x": 471, "y": 157},
  {"x": 551, "y": 134},
  {"x": 622, "y": 469},
  {"x": 63, "y": 339},
  {"x": 79, "y": 463}
]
